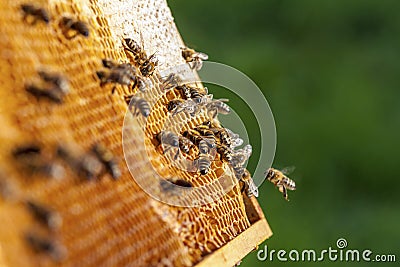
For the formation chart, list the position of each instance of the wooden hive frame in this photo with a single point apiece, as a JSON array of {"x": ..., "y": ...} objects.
[{"x": 115, "y": 211}]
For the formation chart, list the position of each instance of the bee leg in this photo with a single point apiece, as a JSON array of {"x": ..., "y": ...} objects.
[
  {"x": 176, "y": 154},
  {"x": 213, "y": 113},
  {"x": 242, "y": 186},
  {"x": 283, "y": 190}
]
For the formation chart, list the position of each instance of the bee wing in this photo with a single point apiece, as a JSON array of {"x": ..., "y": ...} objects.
[
  {"x": 288, "y": 170},
  {"x": 201, "y": 55},
  {"x": 252, "y": 187}
]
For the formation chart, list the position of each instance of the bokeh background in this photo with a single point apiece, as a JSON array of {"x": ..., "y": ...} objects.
[{"x": 331, "y": 73}]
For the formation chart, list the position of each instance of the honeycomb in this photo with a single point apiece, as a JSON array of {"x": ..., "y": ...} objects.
[{"x": 104, "y": 222}]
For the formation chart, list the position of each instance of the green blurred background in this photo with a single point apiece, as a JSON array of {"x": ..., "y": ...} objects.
[{"x": 331, "y": 73}]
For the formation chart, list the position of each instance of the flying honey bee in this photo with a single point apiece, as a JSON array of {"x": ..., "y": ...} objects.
[
  {"x": 280, "y": 180},
  {"x": 195, "y": 59},
  {"x": 35, "y": 13},
  {"x": 248, "y": 186},
  {"x": 44, "y": 215},
  {"x": 108, "y": 159},
  {"x": 72, "y": 27}
]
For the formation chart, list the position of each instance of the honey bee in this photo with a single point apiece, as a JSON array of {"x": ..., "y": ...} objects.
[
  {"x": 146, "y": 64},
  {"x": 111, "y": 64},
  {"x": 207, "y": 135},
  {"x": 249, "y": 187},
  {"x": 203, "y": 163},
  {"x": 204, "y": 147},
  {"x": 184, "y": 90},
  {"x": 36, "y": 13},
  {"x": 123, "y": 73},
  {"x": 27, "y": 150},
  {"x": 205, "y": 158},
  {"x": 187, "y": 106},
  {"x": 108, "y": 159},
  {"x": 132, "y": 46},
  {"x": 52, "y": 94},
  {"x": 235, "y": 139},
  {"x": 140, "y": 105},
  {"x": 169, "y": 185},
  {"x": 172, "y": 80},
  {"x": 193, "y": 135},
  {"x": 195, "y": 94},
  {"x": 31, "y": 158},
  {"x": 42, "y": 244},
  {"x": 195, "y": 59},
  {"x": 86, "y": 164},
  {"x": 169, "y": 139},
  {"x": 55, "y": 79},
  {"x": 185, "y": 144},
  {"x": 280, "y": 180},
  {"x": 44, "y": 215},
  {"x": 73, "y": 27},
  {"x": 240, "y": 156},
  {"x": 173, "y": 104},
  {"x": 223, "y": 135},
  {"x": 225, "y": 152},
  {"x": 113, "y": 76},
  {"x": 181, "y": 182}
]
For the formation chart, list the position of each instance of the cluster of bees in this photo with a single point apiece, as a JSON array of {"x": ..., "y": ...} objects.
[
  {"x": 33, "y": 160},
  {"x": 206, "y": 137}
]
